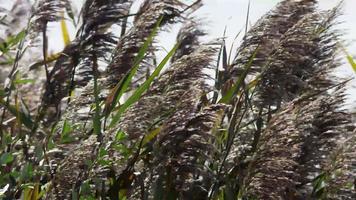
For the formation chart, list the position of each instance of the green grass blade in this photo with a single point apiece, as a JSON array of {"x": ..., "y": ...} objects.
[
  {"x": 144, "y": 87},
  {"x": 12, "y": 41},
  {"x": 64, "y": 30},
  {"x": 349, "y": 58},
  {"x": 222, "y": 53},
  {"x": 236, "y": 87},
  {"x": 24, "y": 118},
  {"x": 96, "y": 118},
  {"x": 352, "y": 62},
  {"x": 124, "y": 83}
]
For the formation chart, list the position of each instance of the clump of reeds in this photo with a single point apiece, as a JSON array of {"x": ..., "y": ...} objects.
[{"x": 273, "y": 126}]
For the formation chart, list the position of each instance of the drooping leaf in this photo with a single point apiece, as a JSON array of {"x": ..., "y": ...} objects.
[
  {"x": 319, "y": 185},
  {"x": 352, "y": 62},
  {"x": 31, "y": 192},
  {"x": 23, "y": 81},
  {"x": 64, "y": 29},
  {"x": 65, "y": 134},
  {"x": 349, "y": 57},
  {"x": 20, "y": 114},
  {"x": 237, "y": 86},
  {"x": 97, "y": 110},
  {"x": 124, "y": 83},
  {"x": 12, "y": 41},
  {"x": 74, "y": 66},
  {"x": 6, "y": 158},
  {"x": 144, "y": 87},
  {"x": 50, "y": 59},
  {"x": 151, "y": 135}
]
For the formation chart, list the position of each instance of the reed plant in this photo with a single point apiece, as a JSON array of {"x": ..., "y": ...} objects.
[{"x": 102, "y": 119}]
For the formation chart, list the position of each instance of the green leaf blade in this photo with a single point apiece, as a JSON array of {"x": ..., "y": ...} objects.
[{"x": 144, "y": 87}]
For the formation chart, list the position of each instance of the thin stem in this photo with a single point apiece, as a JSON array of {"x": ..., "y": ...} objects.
[{"x": 44, "y": 50}]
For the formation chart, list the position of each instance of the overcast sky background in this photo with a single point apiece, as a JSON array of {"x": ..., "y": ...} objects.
[{"x": 218, "y": 14}]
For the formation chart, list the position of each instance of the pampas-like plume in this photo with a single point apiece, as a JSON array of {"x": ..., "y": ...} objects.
[
  {"x": 339, "y": 174},
  {"x": 98, "y": 17},
  {"x": 267, "y": 33},
  {"x": 188, "y": 38},
  {"x": 92, "y": 38},
  {"x": 149, "y": 15},
  {"x": 186, "y": 150},
  {"x": 175, "y": 97},
  {"x": 263, "y": 44},
  {"x": 166, "y": 94},
  {"x": 167, "y": 91},
  {"x": 73, "y": 170},
  {"x": 79, "y": 109},
  {"x": 171, "y": 85},
  {"x": 306, "y": 48},
  {"x": 295, "y": 146},
  {"x": 276, "y": 50},
  {"x": 47, "y": 11}
]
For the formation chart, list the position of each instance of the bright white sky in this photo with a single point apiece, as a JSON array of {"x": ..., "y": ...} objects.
[
  {"x": 232, "y": 13},
  {"x": 218, "y": 14}
]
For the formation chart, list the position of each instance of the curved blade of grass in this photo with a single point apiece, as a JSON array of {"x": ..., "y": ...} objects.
[
  {"x": 124, "y": 83},
  {"x": 151, "y": 135},
  {"x": 217, "y": 71},
  {"x": 12, "y": 41},
  {"x": 31, "y": 193},
  {"x": 24, "y": 118},
  {"x": 352, "y": 62},
  {"x": 349, "y": 58},
  {"x": 70, "y": 12},
  {"x": 49, "y": 59},
  {"x": 96, "y": 118},
  {"x": 64, "y": 29},
  {"x": 144, "y": 87},
  {"x": 236, "y": 87}
]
